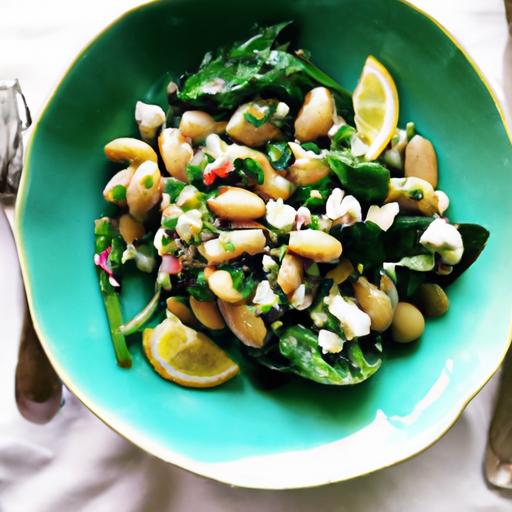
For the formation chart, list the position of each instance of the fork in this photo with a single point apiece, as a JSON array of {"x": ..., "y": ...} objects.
[{"x": 38, "y": 389}]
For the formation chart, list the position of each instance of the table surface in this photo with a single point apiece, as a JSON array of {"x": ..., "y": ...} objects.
[{"x": 76, "y": 463}]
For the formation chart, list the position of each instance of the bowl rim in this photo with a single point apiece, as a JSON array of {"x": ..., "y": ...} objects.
[{"x": 209, "y": 470}]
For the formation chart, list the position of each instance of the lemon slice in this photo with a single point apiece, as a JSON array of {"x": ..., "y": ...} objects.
[
  {"x": 185, "y": 356},
  {"x": 376, "y": 107}
]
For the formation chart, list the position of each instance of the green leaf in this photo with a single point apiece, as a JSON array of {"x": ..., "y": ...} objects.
[
  {"x": 302, "y": 195},
  {"x": 403, "y": 237},
  {"x": 408, "y": 281},
  {"x": 420, "y": 263},
  {"x": 474, "y": 238},
  {"x": 255, "y": 67},
  {"x": 363, "y": 242},
  {"x": 195, "y": 175},
  {"x": 249, "y": 168},
  {"x": 245, "y": 285},
  {"x": 200, "y": 290},
  {"x": 351, "y": 366},
  {"x": 343, "y": 137},
  {"x": 368, "y": 181}
]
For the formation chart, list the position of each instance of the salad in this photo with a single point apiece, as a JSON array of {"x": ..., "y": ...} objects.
[{"x": 279, "y": 213}]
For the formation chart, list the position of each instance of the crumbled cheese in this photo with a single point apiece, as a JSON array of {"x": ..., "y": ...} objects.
[
  {"x": 357, "y": 146},
  {"x": 166, "y": 201},
  {"x": 353, "y": 321},
  {"x": 189, "y": 224},
  {"x": 333, "y": 204},
  {"x": 215, "y": 146},
  {"x": 315, "y": 194},
  {"x": 444, "y": 239},
  {"x": 329, "y": 342},
  {"x": 337, "y": 123},
  {"x": 383, "y": 216},
  {"x": 280, "y": 215},
  {"x": 443, "y": 202},
  {"x": 189, "y": 197},
  {"x": 338, "y": 205},
  {"x": 352, "y": 210},
  {"x": 303, "y": 217},
  {"x": 268, "y": 263},
  {"x": 214, "y": 86},
  {"x": 149, "y": 118},
  {"x": 264, "y": 295},
  {"x": 282, "y": 110},
  {"x": 300, "y": 300},
  {"x": 319, "y": 318},
  {"x": 324, "y": 223}
]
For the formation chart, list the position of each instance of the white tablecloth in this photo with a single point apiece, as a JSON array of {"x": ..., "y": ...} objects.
[{"x": 75, "y": 463}]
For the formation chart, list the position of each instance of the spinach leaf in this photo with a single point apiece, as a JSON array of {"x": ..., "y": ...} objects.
[
  {"x": 368, "y": 181},
  {"x": 257, "y": 67},
  {"x": 363, "y": 242},
  {"x": 343, "y": 137},
  {"x": 408, "y": 281},
  {"x": 474, "y": 238},
  {"x": 351, "y": 366},
  {"x": 403, "y": 237}
]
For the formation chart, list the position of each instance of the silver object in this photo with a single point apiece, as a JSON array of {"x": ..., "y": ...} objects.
[
  {"x": 38, "y": 389},
  {"x": 498, "y": 457}
]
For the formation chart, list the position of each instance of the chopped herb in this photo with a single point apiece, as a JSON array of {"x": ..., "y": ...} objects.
[
  {"x": 311, "y": 146},
  {"x": 280, "y": 155},
  {"x": 173, "y": 187},
  {"x": 257, "y": 122},
  {"x": 170, "y": 223},
  {"x": 148, "y": 182},
  {"x": 119, "y": 193},
  {"x": 249, "y": 168}
]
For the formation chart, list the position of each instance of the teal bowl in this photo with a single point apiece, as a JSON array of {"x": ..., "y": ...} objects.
[{"x": 299, "y": 434}]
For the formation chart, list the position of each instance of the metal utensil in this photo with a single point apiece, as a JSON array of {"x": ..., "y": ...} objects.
[
  {"x": 38, "y": 389},
  {"x": 498, "y": 458}
]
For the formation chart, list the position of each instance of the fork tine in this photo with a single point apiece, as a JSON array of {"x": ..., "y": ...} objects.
[{"x": 14, "y": 118}]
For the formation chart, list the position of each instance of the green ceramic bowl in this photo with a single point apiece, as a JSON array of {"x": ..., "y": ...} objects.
[{"x": 299, "y": 434}]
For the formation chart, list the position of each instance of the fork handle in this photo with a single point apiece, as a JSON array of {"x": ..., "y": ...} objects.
[
  {"x": 38, "y": 389},
  {"x": 498, "y": 461}
]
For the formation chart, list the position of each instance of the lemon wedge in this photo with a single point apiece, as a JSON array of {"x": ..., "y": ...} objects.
[
  {"x": 185, "y": 356},
  {"x": 376, "y": 107}
]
